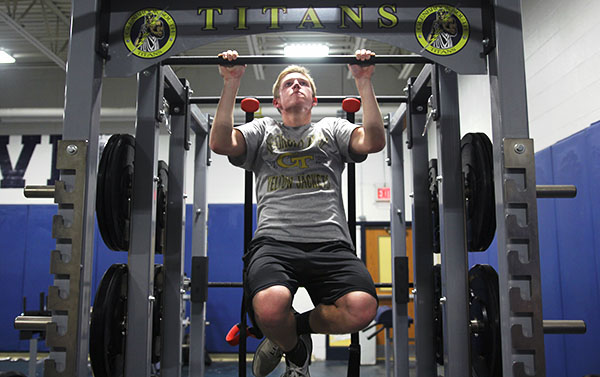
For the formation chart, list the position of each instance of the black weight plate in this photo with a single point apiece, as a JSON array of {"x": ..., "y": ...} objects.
[
  {"x": 102, "y": 208},
  {"x": 486, "y": 356},
  {"x": 161, "y": 206},
  {"x": 477, "y": 167},
  {"x": 107, "y": 323},
  {"x": 107, "y": 195},
  {"x": 438, "y": 325},
  {"x": 157, "y": 311},
  {"x": 120, "y": 180},
  {"x": 435, "y": 206}
]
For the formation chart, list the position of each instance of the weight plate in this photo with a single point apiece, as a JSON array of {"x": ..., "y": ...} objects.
[
  {"x": 102, "y": 209},
  {"x": 108, "y": 323},
  {"x": 161, "y": 206},
  {"x": 437, "y": 314},
  {"x": 435, "y": 207},
  {"x": 157, "y": 311},
  {"x": 486, "y": 356},
  {"x": 120, "y": 182},
  {"x": 477, "y": 168}
]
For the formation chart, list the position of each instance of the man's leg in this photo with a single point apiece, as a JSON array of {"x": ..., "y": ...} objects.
[
  {"x": 275, "y": 317},
  {"x": 273, "y": 312},
  {"x": 350, "y": 313}
]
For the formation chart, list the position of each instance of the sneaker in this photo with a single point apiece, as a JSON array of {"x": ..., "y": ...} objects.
[
  {"x": 293, "y": 370},
  {"x": 267, "y": 357}
]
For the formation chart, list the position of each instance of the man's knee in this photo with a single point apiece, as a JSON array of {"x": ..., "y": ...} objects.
[
  {"x": 272, "y": 305},
  {"x": 361, "y": 308}
]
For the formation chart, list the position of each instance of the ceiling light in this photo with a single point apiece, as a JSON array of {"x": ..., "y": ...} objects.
[
  {"x": 5, "y": 58},
  {"x": 306, "y": 50}
]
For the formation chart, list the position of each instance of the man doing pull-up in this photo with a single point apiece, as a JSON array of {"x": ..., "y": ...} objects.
[{"x": 302, "y": 237}]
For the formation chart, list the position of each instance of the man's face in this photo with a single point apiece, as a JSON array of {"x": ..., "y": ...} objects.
[{"x": 294, "y": 93}]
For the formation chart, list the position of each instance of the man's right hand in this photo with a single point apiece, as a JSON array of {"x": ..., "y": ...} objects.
[{"x": 230, "y": 71}]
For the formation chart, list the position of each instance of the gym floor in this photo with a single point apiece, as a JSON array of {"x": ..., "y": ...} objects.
[{"x": 226, "y": 366}]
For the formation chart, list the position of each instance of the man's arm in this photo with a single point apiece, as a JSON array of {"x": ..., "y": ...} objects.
[
  {"x": 369, "y": 138},
  {"x": 224, "y": 139}
]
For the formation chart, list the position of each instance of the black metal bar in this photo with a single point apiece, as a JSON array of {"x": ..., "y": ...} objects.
[
  {"x": 389, "y": 285},
  {"x": 354, "y": 348},
  {"x": 248, "y": 177},
  {"x": 224, "y": 284},
  {"x": 174, "y": 92},
  {"x": 320, "y": 99},
  {"x": 280, "y": 59},
  {"x": 422, "y": 81}
]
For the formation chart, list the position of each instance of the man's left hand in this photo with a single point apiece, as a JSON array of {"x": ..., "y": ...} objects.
[{"x": 360, "y": 71}]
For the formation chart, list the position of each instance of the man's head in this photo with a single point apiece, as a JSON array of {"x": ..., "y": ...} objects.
[{"x": 294, "y": 86}]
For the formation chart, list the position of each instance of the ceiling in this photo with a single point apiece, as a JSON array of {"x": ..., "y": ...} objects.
[{"x": 36, "y": 34}]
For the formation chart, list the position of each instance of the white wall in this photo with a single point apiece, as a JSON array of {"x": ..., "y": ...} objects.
[{"x": 562, "y": 58}]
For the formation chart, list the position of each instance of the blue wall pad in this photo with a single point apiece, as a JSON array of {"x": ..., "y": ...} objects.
[
  {"x": 12, "y": 265},
  {"x": 225, "y": 251},
  {"x": 549, "y": 265},
  {"x": 578, "y": 253}
]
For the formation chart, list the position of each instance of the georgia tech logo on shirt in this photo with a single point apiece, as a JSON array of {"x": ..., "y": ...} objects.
[
  {"x": 292, "y": 160},
  {"x": 149, "y": 33},
  {"x": 442, "y": 30}
]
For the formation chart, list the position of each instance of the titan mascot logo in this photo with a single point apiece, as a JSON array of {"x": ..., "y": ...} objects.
[
  {"x": 442, "y": 30},
  {"x": 149, "y": 33}
]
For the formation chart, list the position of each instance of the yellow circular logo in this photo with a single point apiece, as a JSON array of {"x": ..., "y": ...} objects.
[
  {"x": 442, "y": 29},
  {"x": 149, "y": 33}
]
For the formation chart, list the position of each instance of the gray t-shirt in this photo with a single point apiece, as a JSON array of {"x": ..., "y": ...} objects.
[{"x": 298, "y": 177}]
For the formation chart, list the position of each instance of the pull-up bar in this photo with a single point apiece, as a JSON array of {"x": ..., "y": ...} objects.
[
  {"x": 280, "y": 59},
  {"x": 320, "y": 99}
]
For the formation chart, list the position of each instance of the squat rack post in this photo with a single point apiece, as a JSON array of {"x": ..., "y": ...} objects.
[
  {"x": 398, "y": 233},
  {"x": 174, "y": 252},
  {"x": 418, "y": 93},
  {"x": 69, "y": 297},
  {"x": 521, "y": 321},
  {"x": 453, "y": 247},
  {"x": 140, "y": 286},
  {"x": 199, "y": 219}
]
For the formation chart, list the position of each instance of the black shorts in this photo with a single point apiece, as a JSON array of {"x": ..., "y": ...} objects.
[{"x": 328, "y": 270}]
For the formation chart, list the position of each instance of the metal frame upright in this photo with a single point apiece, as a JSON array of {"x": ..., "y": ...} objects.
[{"x": 521, "y": 319}]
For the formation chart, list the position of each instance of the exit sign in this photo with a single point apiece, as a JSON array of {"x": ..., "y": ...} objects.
[{"x": 384, "y": 194}]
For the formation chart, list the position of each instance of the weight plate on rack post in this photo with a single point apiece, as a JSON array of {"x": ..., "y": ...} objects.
[
  {"x": 157, "y": 312},
  {"x": 102, "y": 209},
  {"x": 435, "y": 206},
  {"x": 120, "y": 183},
  {"x": 114, "y": 187},
  {"x": 438, "y": 325},
  {"x": 480, "y": 202},
  {"x": 108, "y": 324},
  {"x": 486, "y": 354},
  {"x": 161, "y": 207}
]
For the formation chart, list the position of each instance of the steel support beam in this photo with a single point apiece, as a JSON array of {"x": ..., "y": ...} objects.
[
  {"x": 398, "y": 232},
  {"x": 173, "y": 309},
  {"x": 516, "y": 207},
  {"x": 199, "y": 219},
  {"x": 69, "y": 297},
  {"x": 140, "y": 297},
  {"x": 422, "y": 238},
  {"x": 455, "y": 285}
]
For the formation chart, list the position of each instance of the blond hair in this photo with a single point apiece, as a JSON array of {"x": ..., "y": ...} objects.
[{"x": 294, "y": 69}]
